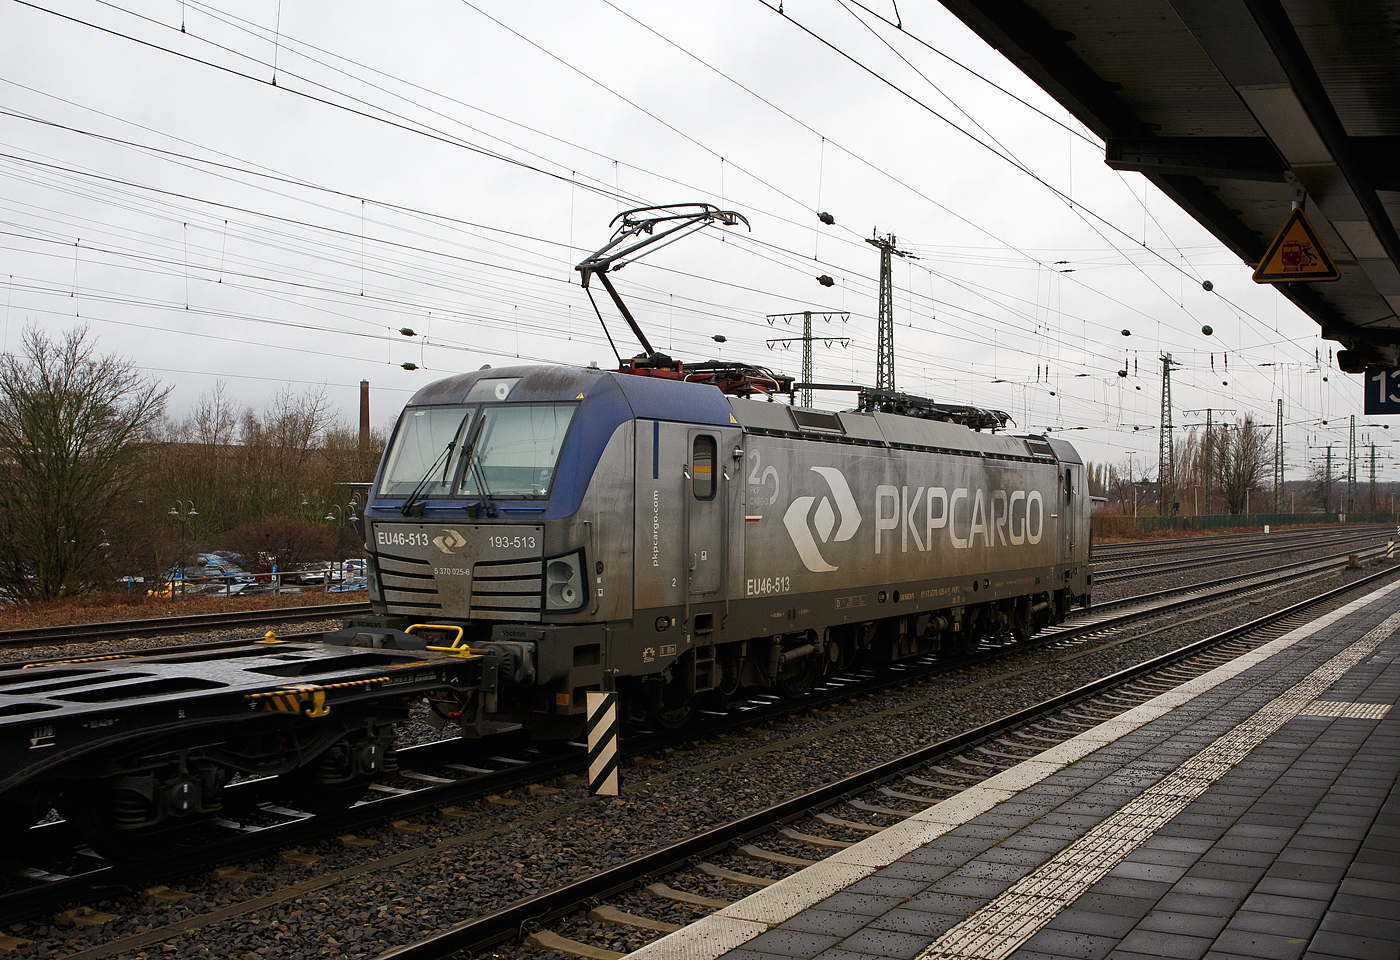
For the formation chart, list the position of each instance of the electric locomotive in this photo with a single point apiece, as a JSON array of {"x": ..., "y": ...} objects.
[
  {"x": 536, "y": 532},
  {"x": 636, "y": 531},
  {"x": 668, "y": 531}
]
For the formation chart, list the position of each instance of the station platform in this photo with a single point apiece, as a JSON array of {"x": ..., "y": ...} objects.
[{"x": 1252, "y": 812}]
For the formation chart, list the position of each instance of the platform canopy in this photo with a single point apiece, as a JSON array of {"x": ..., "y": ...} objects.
[{"x": 1234, "y": 109}]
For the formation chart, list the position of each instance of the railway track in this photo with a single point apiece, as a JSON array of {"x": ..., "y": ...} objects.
[
  {"x": 1112, "y": 552},
  {"x": 1105, "y": 575},
  {"x": 167, "y": 626},
  {"x": 574, "y": 918},
  {"x": 1275, "y": 543},
  {"x": 57, "y": 871}
]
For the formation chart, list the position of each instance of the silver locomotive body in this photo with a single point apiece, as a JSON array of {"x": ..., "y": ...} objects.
[{"x": 596, "y": 529}]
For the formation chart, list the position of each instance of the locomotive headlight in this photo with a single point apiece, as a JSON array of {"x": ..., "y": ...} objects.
[{"x": 563, "y": 583}]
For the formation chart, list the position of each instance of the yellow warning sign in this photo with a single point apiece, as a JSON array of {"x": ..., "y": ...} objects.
[{"x": 1296, "y": 254}]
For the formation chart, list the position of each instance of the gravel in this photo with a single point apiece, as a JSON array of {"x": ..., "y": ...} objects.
[
  {"x": 99, "y": 648},
  {"x": 359, "y": 901}
]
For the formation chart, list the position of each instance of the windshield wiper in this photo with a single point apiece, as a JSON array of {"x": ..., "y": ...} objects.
[
  {"x": 487, "y": 505},
  {"x": 443, "y": 458}
]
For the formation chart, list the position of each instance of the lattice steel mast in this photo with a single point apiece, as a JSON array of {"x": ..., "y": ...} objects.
[
  {"x": 884, "y": 341},
  {"x": 1351, "y": 468},
  {"x": 806, "y": 357},
  {"x": 806, "y": 338},
  {"x": 1327, "y": 484},
  {"x": 1278, "y": 459},
  {"x": 1166, "y": 452},
  {"x": 1372, "y": 492},
  {"x": 1210, "y": 476}
]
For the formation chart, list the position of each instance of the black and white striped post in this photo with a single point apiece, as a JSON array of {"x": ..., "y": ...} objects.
[{"x": 602, "y": 744}]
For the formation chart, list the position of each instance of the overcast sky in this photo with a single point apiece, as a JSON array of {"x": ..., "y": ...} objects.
[{"x": 440, "y": 166}]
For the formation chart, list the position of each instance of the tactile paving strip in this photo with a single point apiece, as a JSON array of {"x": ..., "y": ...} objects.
[
  {"x": 1352, "y": 711},
  {"x": 1002, "y": 926},
  {"x": 714, "y": 935}
]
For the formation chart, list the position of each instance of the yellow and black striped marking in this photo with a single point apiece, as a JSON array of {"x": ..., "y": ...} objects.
[
  {"x": 55, "y": 663},
  {"x": 306, "y": 699}
]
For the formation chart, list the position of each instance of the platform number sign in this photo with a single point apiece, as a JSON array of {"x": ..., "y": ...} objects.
[{"x": 1382, "y": 390}]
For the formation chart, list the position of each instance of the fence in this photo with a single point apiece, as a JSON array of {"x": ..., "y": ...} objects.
[{"x": 1118, "y": 526}]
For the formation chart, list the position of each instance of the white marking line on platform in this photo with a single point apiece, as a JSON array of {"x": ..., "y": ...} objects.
[
  {"x": 790, "y": 896},
  {"x": 1002, "y": 926},
  {"x": 1351, "y": 711}
]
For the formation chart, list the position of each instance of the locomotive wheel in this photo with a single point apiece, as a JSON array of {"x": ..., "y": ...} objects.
[
  {"x": 670, "y": 702},
  {"x": 675, "y": 708},
  {"x": 796, "y": 678},
  {"x": 1022, "y": 628}
]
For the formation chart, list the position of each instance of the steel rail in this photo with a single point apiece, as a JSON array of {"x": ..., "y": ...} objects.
[
  {"x": 1107, "y": 552},
  {"x": 1116, "y": 574},
  {"x": 130, "y": 876},
  {"x": 158, "y": 626},
  {"x": 120, "y": 629},
  {"x": 486, "y": 931}
]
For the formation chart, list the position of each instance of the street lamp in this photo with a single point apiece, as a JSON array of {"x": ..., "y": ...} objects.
[
  {"x": 341, "y": 515},
  {"x": 182, "y": 511}
]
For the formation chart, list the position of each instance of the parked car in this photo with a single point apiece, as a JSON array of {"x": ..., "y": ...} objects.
[
  {"x": 222, "y": 572},
  {"x": 349, "y": 586},
  {"x": 309, "y": 573}
]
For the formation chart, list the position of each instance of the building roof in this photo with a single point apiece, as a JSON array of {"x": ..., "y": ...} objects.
[{"x": 1235, "y": 109}]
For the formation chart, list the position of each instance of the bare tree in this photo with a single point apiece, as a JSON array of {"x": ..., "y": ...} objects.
[
  {"x": 1243, "y": 455},
  {"x": 283, "y": 541},
  {"x": 280, "y": 451},
  {"x": 1320, "y": 484},
  {"x": 69, "y": 426},
  {"x": 1098, "y": 478},
  {"x": 1188, "y": 470}
]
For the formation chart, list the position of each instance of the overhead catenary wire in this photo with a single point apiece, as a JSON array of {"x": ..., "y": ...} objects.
[{"x": 780, "y": 254}]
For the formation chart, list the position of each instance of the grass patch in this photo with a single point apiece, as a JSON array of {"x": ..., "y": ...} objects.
[{"x": 104, "y": 607}]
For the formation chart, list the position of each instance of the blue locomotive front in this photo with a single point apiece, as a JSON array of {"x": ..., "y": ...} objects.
[{"x": 502, "y": 520}]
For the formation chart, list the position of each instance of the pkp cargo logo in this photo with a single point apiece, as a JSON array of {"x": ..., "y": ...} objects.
[
  {"x": 449, "y": 541},
  {"x": 800, "y": 520}
]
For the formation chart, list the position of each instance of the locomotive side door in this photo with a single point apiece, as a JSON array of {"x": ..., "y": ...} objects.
[
  {"x": 661, "y": 496},
  {"x": 1069, "y": 511},
  {"x": 706, "y": 498}
]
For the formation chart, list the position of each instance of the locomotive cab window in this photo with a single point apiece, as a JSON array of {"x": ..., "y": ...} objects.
[
  {"x": 702, "y": 468},
  {"x": 517, "y": 450},
  {"x": 427, "y": 446},
  {"x": 502, "y": 450}
]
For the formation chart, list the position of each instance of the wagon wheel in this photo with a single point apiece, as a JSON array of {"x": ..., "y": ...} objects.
[
  {"x": 98, "y": 810},
  {"x": 315, "y": 796},
  {"x": 17, "y": 814},
  {"x": 322, "y": 787}
]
